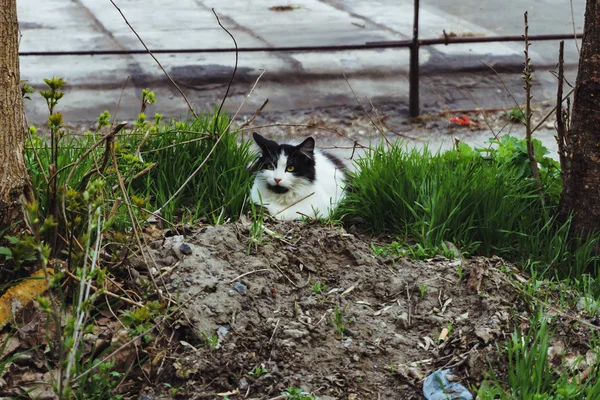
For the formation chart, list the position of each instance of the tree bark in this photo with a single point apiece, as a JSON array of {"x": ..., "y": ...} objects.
[
  {"x": 581, "y": 166},
  {"x": 15, "y": 184}
]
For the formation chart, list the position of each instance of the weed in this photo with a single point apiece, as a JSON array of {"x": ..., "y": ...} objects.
[
  {"x": 530, "y": 374},
  {"x": 211, "y": 342},
  {"x": 423, "y": 290},
  {"x": 298, "y": 394},
  {"x": 338, "y": 321},
  {"x": 259, "y": 371},
  {"x": 140, "y": 320},
  {"x": 516, "y": 114},
  {"x": 318, "y": 287},
  {"x": 460, "y": 272},
  {"x": 257, "y": 228}
]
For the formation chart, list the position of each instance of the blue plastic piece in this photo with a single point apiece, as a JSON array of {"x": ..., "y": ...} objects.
[{"x": 438, "y": 387}]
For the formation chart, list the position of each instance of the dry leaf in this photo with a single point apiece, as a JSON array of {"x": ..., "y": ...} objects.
[{"x": 22, "y": 294}]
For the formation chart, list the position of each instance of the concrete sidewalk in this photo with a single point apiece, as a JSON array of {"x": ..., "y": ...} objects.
[{"x": 292, "y": 80}]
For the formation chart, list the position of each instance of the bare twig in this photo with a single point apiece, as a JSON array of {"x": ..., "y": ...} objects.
[
  {"x": 483, "y": 115},
  {"x": 109, "y": 139},
  {"x": 367, "y": 113},
  {"x": 527, "y": 78},
  {"x": 235, "y": 67},
  {"x": 560, "y": 123},
  {"x": 119, "y": 103},
  {"x": 134, "y": 224},
  {"x": 566, "y": 97},
  {"x": 504, "y": 84},
  {"x": 253, "y": 117},
  {"x": 157, "y": 62},
  {"x": 214, "y": 146},
  {"x": 573, "y": 23},
  {"x": 248, "y": 273}
]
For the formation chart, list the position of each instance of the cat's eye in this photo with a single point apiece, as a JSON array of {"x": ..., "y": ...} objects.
[
  {"x": 270, "y": 167},
  {"x": 290, "y": 168}
]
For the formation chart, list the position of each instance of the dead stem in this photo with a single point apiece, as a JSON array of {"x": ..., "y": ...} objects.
[
  {"x": 155, "y": 59},
  {"x": 235, "y": 67}
]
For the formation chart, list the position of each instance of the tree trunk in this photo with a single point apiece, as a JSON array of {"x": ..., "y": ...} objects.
[
  {"x": 581, "y": 166},
  {"x": 15, "y": 185}
]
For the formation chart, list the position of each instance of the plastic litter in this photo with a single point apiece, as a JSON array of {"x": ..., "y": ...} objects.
[{"x": 437, "y": 387}]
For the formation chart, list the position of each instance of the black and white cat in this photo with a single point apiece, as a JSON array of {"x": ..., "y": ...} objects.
[{"x": 292, "y": 181}]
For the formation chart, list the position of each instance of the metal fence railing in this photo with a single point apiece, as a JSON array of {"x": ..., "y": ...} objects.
[{"x": 412, "y": 44}]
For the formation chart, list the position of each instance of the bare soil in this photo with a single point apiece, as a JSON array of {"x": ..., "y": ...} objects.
[
  {"x": 246, "y": 320},
  {"x": 259, "y": 298}
]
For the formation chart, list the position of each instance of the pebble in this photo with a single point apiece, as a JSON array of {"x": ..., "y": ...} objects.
[
  {"x": 402, "y": 321},
  {"x": 185, "y": 249},
  {"x": 295, "y": 333},
  {"x": 240, "y": 288},
  {"x": 146, "y": 397},
  {"x": 243, "y": 384},
  {"x": 222, "y": 331},
  {"x": 167, "y": 261}
]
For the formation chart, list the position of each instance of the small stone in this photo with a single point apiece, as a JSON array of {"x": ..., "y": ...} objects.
[
  {"x": 185, "y": 249},
  {"x": 167, "y": 261},
  {"x": 402, "y": 321},
  {"x": 485, "y": 334},
  {"x": 295, "y": 333},
  {"x": 347, "y": 342},
  {"x": 243, "y": 384},
  {"x": 147, "y": 396},
  {"x": 222, "y": 331},
  {"x": 240, "y": 288},
  {"x": 349, "y": 333}
]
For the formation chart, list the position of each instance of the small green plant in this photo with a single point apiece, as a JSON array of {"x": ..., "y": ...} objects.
[
  {"x": 530, "y": 373},
  {"x": 338, "y": 320},
  {"x": 460, "y": 272},
  {"x": 257, "y": 228},
  {"x": 423, "y": 290},
  {"x": 258, "y": 371},
  {"x": 318, "y": 287},
  {"x": 298, "y": 394},
  {"x": 140, "y": 319},
  {"x": 211, "y": 342},
  {"x": 516, "y": 114}
]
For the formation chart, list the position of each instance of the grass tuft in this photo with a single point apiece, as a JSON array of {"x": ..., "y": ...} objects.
[{"x": 485, "y": 201}]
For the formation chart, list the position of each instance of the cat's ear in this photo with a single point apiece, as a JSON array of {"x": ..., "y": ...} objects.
[
  {"x": 307, "y": 147},
  {"x": 264, "y": 143}
]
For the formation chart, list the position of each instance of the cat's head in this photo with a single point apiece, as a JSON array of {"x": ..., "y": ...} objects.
[{"x": 284, "y": 167}]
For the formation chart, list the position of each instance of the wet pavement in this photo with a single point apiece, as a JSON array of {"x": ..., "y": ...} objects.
[{"x": 452, "y": 77}]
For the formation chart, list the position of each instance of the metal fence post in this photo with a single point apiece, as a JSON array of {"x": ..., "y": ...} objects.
[{"x": 413, "y": 73}]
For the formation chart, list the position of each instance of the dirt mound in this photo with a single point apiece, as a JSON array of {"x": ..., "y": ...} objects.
[{"x": 258, "y": 324}]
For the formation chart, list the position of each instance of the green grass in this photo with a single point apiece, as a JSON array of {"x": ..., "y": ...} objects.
[
  {"x": 530, "y": 374},
  {"x": 485, "y": 201},
  {"x": 154, "y": 162}
]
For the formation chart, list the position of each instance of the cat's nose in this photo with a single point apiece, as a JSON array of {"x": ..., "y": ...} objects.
[{"x": 277, "y": 180}]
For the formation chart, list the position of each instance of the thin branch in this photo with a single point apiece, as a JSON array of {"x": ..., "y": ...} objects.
[
  {"x": 214, "y": 146},
  {"x": 527, "y": 77},
  {"x": 366, "y": 112},
  {"x": 254, "y": 116},
  {"x": 155, "y": 59},
  {"x": 119, "y": 102},
  {"x": 503, "y": 84},
  {"x": 235, "y": 67},
  {"x": 566, "y": 97},
  {"x": 561, "y": 128},
  {"x": 574, "y": 31}
]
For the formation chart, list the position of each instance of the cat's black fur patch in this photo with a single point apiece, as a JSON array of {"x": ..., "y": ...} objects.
[
  {"x": 300, "y": 157},
  {"x": 278, "y": 189}
]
